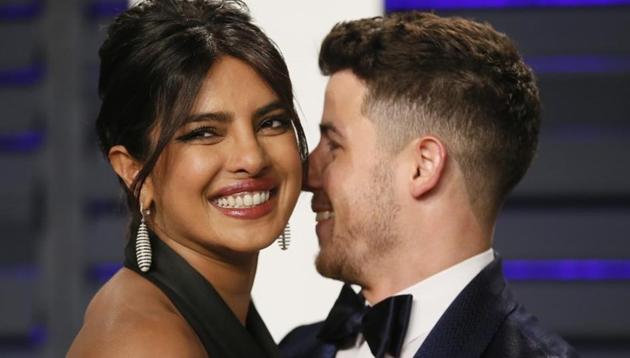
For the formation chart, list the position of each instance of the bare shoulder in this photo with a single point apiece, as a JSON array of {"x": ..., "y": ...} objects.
[{"x": 129, "y": 316}]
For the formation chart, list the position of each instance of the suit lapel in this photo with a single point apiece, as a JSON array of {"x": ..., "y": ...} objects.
[
  {"x": 470, "y": 322},
  {"x": 327, "y": 351}
]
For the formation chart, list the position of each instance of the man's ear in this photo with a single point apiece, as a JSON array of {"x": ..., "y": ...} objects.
[
  {"x": 429, "y": 156},
  {"x": 126, "y": 166}
]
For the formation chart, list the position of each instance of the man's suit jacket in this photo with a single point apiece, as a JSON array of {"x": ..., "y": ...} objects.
[{"x": 484, "y": 320}]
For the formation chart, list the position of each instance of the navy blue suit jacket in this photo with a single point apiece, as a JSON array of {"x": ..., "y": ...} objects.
[{"x": 484, "y": 320}]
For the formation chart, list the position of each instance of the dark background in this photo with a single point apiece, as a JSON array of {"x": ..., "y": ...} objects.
[{"x": 565, "y": 232}]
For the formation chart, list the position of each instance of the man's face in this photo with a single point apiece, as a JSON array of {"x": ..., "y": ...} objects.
[{"x": 352, "y": 182}]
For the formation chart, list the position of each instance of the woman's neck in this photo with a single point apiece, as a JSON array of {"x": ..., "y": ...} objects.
[{"x": 232, "y": 278}]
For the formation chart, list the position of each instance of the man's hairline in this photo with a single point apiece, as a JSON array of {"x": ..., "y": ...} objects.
[{"x": 384, "y": 137}]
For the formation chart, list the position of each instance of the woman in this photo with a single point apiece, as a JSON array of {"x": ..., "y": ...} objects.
[{"x": 197, "y": 120}]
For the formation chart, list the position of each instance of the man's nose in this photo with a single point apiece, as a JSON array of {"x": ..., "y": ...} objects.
[{"x": 313, "y": 180}]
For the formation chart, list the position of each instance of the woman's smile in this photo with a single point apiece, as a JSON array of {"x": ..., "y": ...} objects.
[{"x": 247, "y": 199}]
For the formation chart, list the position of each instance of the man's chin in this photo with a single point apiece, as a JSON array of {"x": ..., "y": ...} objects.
[
  {"x": 334, "y": 266},
  {"x": 325, "y": 267}
]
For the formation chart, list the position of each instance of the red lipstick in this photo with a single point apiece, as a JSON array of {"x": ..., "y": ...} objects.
[
  {"x": 254, "y": 212},
  {"x": 249, "y": 185}
]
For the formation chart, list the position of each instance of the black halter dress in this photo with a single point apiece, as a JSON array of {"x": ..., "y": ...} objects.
[{"x": 220, "y": 332}]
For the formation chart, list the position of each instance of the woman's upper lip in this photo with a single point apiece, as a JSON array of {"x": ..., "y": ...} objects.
[{"x": 245, "y": 185}]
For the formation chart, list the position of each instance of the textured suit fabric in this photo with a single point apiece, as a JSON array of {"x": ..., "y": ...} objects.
[{"x": 485, "y": 320}]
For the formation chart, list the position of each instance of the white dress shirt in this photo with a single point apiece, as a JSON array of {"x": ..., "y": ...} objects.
[{"x": 431, "y": 298}]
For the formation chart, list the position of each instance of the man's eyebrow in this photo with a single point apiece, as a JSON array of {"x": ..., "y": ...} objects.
[
  {"x": 275, "y": 105},
  {"x": 326, "y": 128},
  {"x": 210, "y": 116}
]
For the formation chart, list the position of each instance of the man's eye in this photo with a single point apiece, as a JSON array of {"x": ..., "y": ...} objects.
[
  {"x": 198, "y": 133},
  {"x": 332, "y": 146}
]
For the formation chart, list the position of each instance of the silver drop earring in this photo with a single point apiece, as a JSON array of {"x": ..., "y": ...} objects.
[
  {"x": 285, "y": 237},
  {"x": 143, "y": 244}
]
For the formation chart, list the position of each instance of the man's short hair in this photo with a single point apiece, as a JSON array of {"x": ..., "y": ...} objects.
[{"x": 457, "y": 79}]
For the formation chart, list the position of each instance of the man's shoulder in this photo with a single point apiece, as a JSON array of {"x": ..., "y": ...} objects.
[
  {"x": 522, "y": 335},
  {"x": 302, "y": 341}
]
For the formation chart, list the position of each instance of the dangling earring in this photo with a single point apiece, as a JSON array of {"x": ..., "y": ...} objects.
[
  {"x": 143, "y": 245},
  {"x": 285, "y": 238}
]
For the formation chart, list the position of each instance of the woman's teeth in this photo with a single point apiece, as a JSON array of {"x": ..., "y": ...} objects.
[
  {"x": 324, "y": 215},
  {"x": 243, "y": 200}
]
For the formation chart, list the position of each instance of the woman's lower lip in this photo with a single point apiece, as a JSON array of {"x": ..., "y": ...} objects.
[{"x": 254, "y": 212}]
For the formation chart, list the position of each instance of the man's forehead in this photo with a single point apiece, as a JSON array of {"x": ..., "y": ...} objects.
[
  {"x": 343, "y": 103},
  {"x": 345, "y": 82}
]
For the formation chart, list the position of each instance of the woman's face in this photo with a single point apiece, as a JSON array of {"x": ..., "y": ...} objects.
[{"x": 229, "y": 179}]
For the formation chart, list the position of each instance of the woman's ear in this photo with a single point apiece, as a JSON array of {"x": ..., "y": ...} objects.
[
  {"x": 429, "y": 156},
  {"x": 124, "y": 164},
  {"x": 127, "y": 167}
]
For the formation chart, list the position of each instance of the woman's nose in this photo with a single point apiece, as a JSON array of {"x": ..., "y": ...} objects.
[{"x": 248, "y": 155}]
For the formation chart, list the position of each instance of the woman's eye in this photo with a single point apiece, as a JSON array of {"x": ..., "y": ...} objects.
[
  {"x": 199, "y": 134},
  {"x": 276, "y": 124}
]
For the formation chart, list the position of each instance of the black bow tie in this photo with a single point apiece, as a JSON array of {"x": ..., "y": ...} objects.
[{"x": 384, "y": 325}]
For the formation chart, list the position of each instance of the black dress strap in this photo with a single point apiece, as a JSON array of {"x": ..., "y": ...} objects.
[{"x": 219, "y": 330}]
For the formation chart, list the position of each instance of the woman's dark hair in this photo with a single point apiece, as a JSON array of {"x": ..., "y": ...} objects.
[{"x": 154, "y": 61}]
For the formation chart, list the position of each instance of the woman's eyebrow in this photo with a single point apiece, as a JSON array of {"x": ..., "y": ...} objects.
[
  {"x": 210, "y": 116},
  {"x": 275, "y": 105},
  {"x": 227, "y": 117}
]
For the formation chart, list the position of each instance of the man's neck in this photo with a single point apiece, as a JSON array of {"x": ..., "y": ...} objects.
[{"x": 414, "y": 264}]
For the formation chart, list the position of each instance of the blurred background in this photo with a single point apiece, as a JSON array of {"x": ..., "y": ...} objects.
[{"x": 565, "y": 231}]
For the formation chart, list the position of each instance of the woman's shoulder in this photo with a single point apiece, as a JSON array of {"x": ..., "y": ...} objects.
[{"x": 129, "y": 316}]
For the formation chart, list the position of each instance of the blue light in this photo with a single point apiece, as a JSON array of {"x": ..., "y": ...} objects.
[
  {"x": 106, "y": 9},
  {"x": 102, "y": 272},
  {"x": 26, "y": 76},
  {"x": 20, "y": 272},
  {"x": 100, "y": 207},
  {"x": 16, "y": 12},
  {"x": 567, "y": 64},
  {"x": 38, "y": 336},
  {"x": 21, "y": 142},
  {"x": 400, "y": 5},
  {"x": 567, "y": 270}
]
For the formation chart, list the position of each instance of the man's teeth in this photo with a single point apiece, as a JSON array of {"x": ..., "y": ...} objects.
[
  {"x": 324, "y": 215},
  {"x": 243, "y": 200}
]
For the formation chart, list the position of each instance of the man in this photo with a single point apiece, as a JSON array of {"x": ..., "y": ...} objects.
[{"x": 428, "y": 124}]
